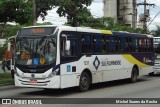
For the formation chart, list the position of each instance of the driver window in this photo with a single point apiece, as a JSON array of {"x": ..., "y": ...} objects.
[{"x": 68, "y": 48}]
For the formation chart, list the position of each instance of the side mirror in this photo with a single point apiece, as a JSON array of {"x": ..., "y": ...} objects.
[
  {"x": 9, "y": 46},
  {"x": 67, "y": 45},
  {"x": 67, "y": 42}
]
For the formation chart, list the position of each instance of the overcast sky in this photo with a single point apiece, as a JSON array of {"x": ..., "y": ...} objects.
[{"x": 96, "y": 9}]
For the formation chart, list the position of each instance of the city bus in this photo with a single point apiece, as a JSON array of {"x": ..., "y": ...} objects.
[
  {"x": 156, "y": 44},
  {"x": 157, "y": 57},
  {"x": 156, "y": 41},
  {"x": 58, "y": 57}
]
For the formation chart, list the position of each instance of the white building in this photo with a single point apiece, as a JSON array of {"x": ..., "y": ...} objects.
[{"x": 123, "y": 11}]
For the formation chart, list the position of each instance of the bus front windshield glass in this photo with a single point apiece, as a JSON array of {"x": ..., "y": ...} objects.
[{"x": 35, "y": 51}]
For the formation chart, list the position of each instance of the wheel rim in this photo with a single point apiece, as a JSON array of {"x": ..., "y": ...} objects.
[
  {"x": 134, "y": 76},
  {"x": 84, "y": 82}
]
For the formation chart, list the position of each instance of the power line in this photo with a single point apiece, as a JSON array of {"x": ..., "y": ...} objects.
[
  {"x": 146, "y": 14},
  {"x": 154, "y": 5},
  {"x": 154, "y": 18}
]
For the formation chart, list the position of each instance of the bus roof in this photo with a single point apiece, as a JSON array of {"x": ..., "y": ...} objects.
[
  {"x": 116, "y": 33},
  {"x": 80, "y": 29},
  {"x": 90, "y": 30},
  {"x": 157, "y": 37},
  {"x": 84, "y": 29},
  {"x": 39, "y": 26}
]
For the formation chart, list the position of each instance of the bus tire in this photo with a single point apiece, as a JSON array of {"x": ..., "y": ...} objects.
[
  {"x": 84, "y": 82},
  {"x": 151, "y": 74},
  {"x": 134, "y": 75}
]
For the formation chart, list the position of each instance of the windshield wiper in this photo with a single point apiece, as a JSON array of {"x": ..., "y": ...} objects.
[{"x": 41, "y": 41}]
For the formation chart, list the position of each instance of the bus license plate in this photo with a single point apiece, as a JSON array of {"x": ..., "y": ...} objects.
[{"x": 33, "y": 81}]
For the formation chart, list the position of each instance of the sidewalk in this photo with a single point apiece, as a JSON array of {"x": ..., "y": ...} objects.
[{"x": 1, "y": 71}]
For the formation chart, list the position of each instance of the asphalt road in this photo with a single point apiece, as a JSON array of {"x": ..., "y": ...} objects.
[{"x": 146, "y": 87}]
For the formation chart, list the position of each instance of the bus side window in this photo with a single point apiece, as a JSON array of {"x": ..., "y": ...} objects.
[
  {"x": 99, "y": 44},
  {"x": 111, "y": 44},
  {"x": 150, "y": 44},
  {"x": 72, "y": 48},
  {"x": 128, "y": 43},
  {"x": 123, "y": 44},
  {"x": 86, "y": 43},
  {"x": 118, "y": 42},
  {"x": 133, "y": 45},
  {"x": 68, "y": 45},
  {"x": 143, "y": 44}
]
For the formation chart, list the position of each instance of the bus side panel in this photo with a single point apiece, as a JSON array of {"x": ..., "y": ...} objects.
[
  {"x": 92, "y": 64},
  {"x": 103, "y": 68},
  {"x": 69, "y": 75},
  {"x": 145, "y": 70},
  {"x": 116, "y": 68}
]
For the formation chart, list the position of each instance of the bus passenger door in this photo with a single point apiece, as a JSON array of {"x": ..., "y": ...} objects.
[{"x": 68, "y": 61}]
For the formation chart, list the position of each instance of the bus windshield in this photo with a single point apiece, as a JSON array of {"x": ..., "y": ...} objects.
[{"x": 35, "y": 51}]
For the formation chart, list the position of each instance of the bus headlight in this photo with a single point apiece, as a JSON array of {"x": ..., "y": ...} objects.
[{"x": 54, "y": 73}]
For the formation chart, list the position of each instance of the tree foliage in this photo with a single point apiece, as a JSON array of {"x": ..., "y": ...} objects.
[
  {"x": 15, "y": 10},
  {"x": 72, "y": 9},
  {"x": 42, "y": 6},
  {"x": 18, "y": 11},
  {"x": 156, "y": 32},
  {"x": 108, "y": 24}
]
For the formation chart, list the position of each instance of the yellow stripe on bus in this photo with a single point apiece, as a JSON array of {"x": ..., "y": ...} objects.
[
  {"x": 106, "y": 32},
  {"x": 133, "y": 60}
]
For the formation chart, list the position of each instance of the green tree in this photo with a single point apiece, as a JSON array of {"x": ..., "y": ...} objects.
[
  {"x": 12, "y": 30},
  {"x": 108, "y": 23},
  {"x": 18, "y": 11},
  {"x": 156, "y": 32},
  {"x": 15, "y": 10},
  {"x": 42, "y": 6},
  {"x": 72, "y": 9}
]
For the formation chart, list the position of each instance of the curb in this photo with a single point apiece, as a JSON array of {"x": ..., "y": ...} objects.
[{"x": 6, "y": 84}]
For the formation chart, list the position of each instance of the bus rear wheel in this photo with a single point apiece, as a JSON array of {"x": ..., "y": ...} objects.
[
  {"x": 84, "y": 82},
  {"x": 134, "y": 75}
]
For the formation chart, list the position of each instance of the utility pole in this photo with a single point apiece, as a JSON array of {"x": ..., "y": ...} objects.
[
  {"x": 34, "y": 12},
  {"x": 145, "y": 17},
  {"x": 145, "y": 4}
]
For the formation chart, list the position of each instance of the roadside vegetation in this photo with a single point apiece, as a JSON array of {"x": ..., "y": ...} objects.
[{"x": 5, "y": 78}]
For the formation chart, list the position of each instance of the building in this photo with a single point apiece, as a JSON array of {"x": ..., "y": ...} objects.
[{"x": 123, "y": 11}]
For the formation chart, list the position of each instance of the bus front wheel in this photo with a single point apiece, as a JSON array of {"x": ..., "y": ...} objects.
[
  {"x": 84, "y": 82},
  {"x": 134, "y": 75}
]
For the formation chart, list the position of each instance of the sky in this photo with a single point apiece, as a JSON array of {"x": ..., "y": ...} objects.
[{"x": 96, "y": 9}]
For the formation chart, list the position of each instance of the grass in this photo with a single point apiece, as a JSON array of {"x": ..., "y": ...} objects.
[{"x": 5, "y": 78}]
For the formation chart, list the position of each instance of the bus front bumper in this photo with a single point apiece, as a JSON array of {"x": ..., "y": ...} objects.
[{"x": 53, "y": 83}]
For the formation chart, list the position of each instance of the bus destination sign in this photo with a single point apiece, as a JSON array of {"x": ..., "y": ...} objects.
[{"x": 34, "y": 31}]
